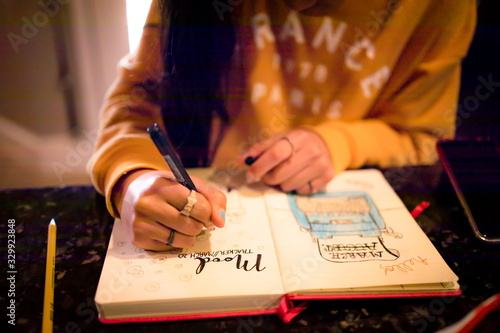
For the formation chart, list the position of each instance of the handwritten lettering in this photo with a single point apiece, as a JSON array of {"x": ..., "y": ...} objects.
[
  {"x": 240, "y": 263},
  {"x": 350, "y": 247},
  {"x": 404, "y": 266},
  {"x": 220, "y": 252},
  {"x": 357, "y": 255}
]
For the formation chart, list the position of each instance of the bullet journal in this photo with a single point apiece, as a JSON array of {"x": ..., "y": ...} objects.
[{"x": 354, "y": 240}]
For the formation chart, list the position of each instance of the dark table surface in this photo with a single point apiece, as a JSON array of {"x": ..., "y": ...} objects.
[{"x": 84, "y": 227}]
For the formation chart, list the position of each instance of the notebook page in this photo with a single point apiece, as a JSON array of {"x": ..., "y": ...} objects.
[
  {"x": 357, "y": 234},
  {"x": 222, "y": 264}
]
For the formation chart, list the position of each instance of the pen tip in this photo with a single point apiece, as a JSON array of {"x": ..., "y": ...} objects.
[{"x": 249, "y": 160}]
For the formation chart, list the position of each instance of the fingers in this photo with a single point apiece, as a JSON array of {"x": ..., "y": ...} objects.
[
  {"x": 267, "y": 155},
  {"x": 176, "y": 197},
  {"x": 256, "y": 150},
  {"x": 280, "y": 151},
  {"x": 155, "y": 236},
  {"x": 217, "y": 201},
  {"x": 169, "y": 216},
  {"x": 311, "y": 179},
  {"x": 152, "y": 211},
  {"x": 307, "y": 165},
  {"x": 298, "y": 161}
]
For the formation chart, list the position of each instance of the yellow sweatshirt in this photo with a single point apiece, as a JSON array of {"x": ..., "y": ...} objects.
[{"x": 378, "y": 82}]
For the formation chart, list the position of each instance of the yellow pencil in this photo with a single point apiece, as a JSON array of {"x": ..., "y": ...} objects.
[{"x": 50, "y": 275}]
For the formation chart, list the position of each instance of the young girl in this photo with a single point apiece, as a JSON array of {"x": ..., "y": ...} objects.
[{"x": 304, "y": 89}]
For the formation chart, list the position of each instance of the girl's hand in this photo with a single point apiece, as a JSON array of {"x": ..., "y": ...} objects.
[
  {"x": 150, "y": 204},
  {"x": 296, "y": 161}
]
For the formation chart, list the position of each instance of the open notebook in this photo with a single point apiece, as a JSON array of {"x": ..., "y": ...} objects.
[{"x": 356, "y": 240}]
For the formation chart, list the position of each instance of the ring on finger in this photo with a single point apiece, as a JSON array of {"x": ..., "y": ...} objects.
[
  {"x": 291, "y": 145},
  {"x": 311, "y": 188},
  {"x": 191, "y": 201},
  {"x": 171, "y": 237}
]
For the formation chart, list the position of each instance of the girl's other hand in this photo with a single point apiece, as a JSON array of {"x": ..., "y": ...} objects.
[{"x": 296, "y": 161}]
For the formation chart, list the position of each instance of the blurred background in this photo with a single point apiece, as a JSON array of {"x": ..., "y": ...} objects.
[
  {"x": 58, "y": 57},
  {"x": 479, "y": 104}
]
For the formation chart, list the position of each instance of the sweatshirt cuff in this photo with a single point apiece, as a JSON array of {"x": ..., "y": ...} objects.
[{"x": 145, "y": 156}]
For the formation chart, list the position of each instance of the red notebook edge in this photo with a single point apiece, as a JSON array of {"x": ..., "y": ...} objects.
[{"x": 288, "y": 309}]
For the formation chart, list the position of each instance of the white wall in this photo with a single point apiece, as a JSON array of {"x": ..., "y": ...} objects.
[
  {"x": 100, "y": 40},
  {"x": 37, "y": 147}
]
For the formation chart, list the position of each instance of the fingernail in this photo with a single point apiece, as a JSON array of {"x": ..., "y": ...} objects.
[
  {"x": 223, "y": 214},
  {"x": 249, "y": 177}
]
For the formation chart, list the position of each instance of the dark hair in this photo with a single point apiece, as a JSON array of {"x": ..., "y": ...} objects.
[{"x": 197, "y": 47}]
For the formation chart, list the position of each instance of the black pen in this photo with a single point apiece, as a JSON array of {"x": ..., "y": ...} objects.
[
  {"x": 249, "y": 160},
  {"x": 169, "y": 154}
]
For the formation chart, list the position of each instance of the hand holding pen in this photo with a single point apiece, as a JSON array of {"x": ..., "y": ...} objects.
[
  {"x": 162, "y": 209},
  {"x": 298, "y": 160}
]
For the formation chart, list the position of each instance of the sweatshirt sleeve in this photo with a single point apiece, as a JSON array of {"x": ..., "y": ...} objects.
[
  {"x": 129, "y": 108},
  {"x": 417, "y": 106}
]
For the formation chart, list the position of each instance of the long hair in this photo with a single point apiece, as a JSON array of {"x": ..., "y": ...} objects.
[{"x": 197, "y": 47}]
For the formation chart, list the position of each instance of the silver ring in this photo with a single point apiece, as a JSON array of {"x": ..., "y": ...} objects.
[
  {"x": 291, "y": 145},
  {"x": 170, "y": 239},
  {"x": 191, "y": 201}
]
